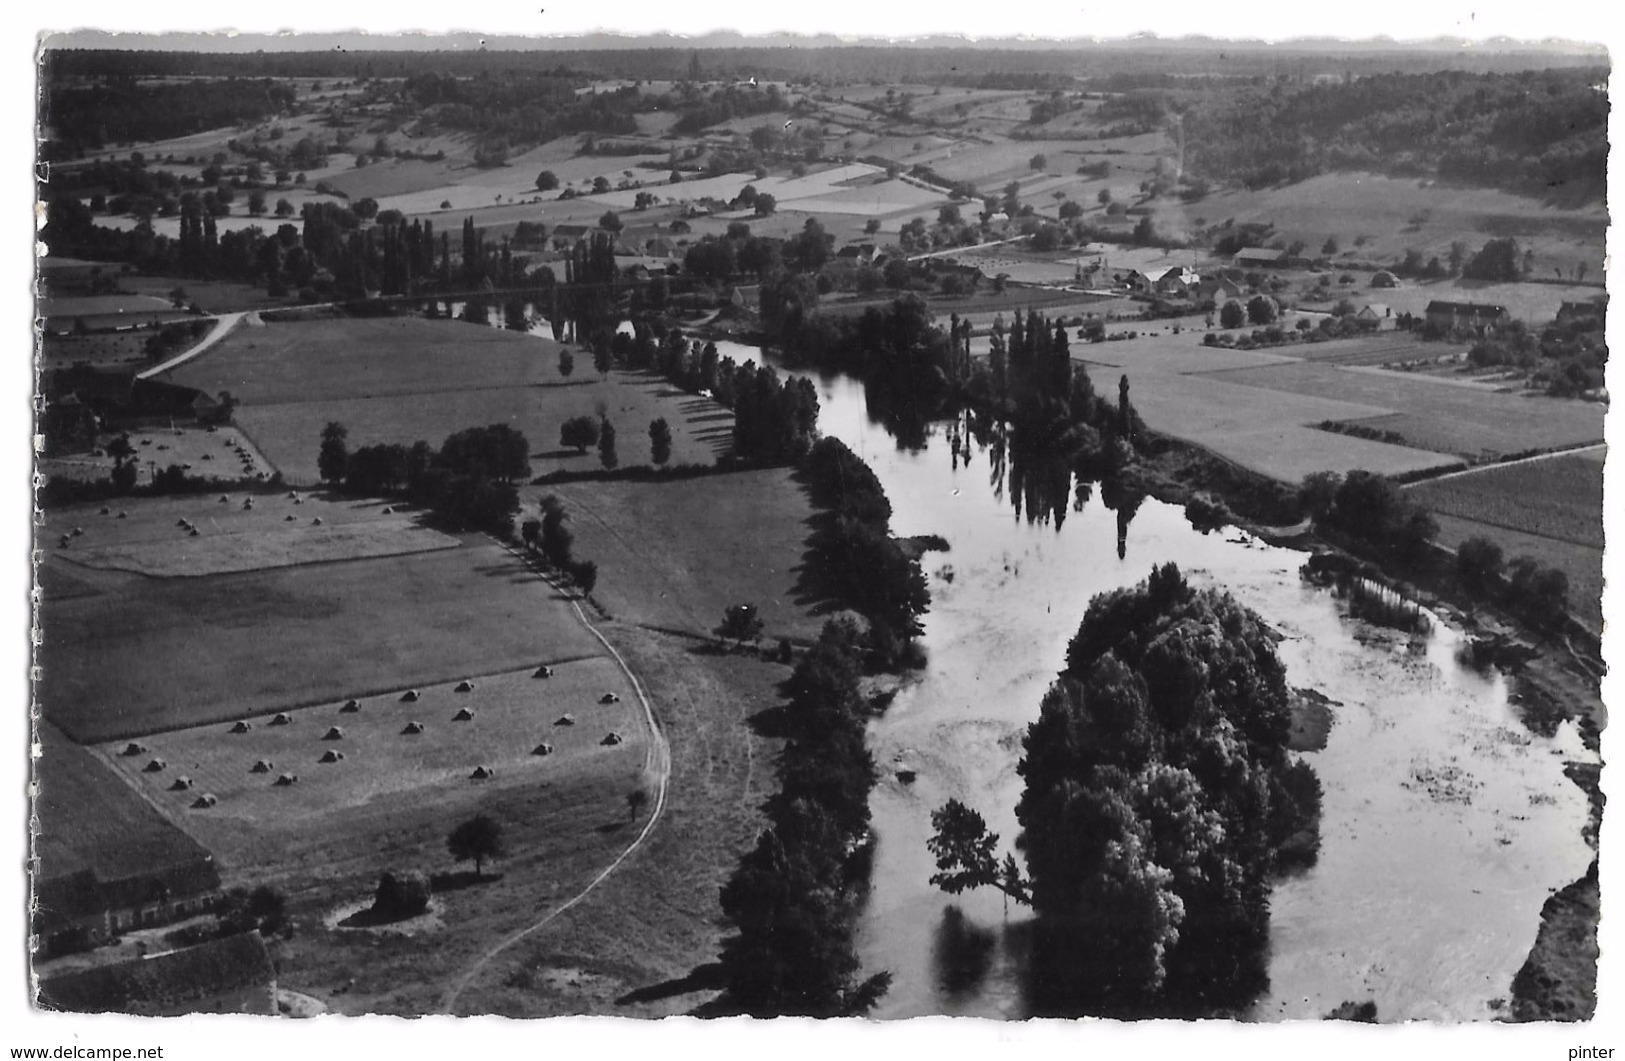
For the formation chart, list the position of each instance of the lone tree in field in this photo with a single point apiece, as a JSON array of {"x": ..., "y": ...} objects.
[
  {"x": 567, "y": 363},
  {"x": 579, "y": 432},
  {"x": 636, "y": 800},
  {"x": 740, "y": 623},
  {"x": 546, "y": 180},
  {"x": 335, "y": 453},
  {"x": 659, "y": 441},
  {"x": 1231, "y": 315},
  {"x": 606, "y": 445},
  {"x": 476, "y": 840}
]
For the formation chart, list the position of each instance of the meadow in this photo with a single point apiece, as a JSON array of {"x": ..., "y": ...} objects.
[
  {"x": 1559, "y": 498},
  {"x": 403, "y": 379}
]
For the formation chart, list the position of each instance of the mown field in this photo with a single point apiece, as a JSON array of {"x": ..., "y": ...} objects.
[
  {"x": 128, "y": 654},
  {"x": 676, "y": 554},
  {"x": 512, "y": 714},
  {"x": 404, "y": 379}
]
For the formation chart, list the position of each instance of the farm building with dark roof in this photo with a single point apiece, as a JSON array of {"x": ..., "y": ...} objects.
[
  {"x": 1452, "y": 315},
  {"x": 231, "y": 975}
]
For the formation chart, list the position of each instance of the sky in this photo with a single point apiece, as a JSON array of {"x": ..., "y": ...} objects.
[{"x": 1404, "y": 20}]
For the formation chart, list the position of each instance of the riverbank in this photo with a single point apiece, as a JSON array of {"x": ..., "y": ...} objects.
[{"x": 1557, "y": 683}]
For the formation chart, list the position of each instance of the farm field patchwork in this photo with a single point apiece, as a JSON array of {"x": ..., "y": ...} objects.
[{"x": 131, "y": 655}]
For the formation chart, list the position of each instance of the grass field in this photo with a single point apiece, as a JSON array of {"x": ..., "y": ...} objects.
[
  {"x": 201, "y": 453},
  {"x": 404, "y": 379},
  {"x": 1454, "y": 419},
  {"x": 659, "y": 547},
  {"x": 512, "y": 714},
  {"x": 128, "y": 654}
]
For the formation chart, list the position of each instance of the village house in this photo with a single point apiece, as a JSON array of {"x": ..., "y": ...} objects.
[
  {"x": 565, "y": 236},
  {"x": 1476, "y": 316},
  {"x": 83, "y": 908},
  {"x": 1219, "y": 289},
  {"x": 1175, "y": 281},
  {"x": 1375, "y": 316}
]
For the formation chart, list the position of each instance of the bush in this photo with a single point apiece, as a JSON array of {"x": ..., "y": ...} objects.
[
  {"x": 1478, "y": 565},
  {"x": 401, "y": 895}
]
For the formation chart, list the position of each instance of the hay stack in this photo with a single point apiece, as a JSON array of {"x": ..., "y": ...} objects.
[
  {"x": 350, "y": 707},
  {"x": 133, "y": 748},
  {"x": 204, "y": 801},
  {"x": 240, "y": 726},
  {"x": 464, "y": 686},
  {"x": 543, "y": 672},
  {"x": 566, "y": 720},
  {"x": 609, "y": 698},
  {"x": 333, "y": 733},
  {"x": 331, "y": 755},
  {"x": 543, "y": 748},
  {"x": 409, "y": 697},
  {"x": 463, "y": 715},
  {"x": 481, "y": 773},
  {"x": 282, "y": 719},
  {"x": 611, "y": 738},
  {"x": 412, "y": 729},
  {"x": 284, "y": 780},
  {"x": 261, "y": 766},
  {"x": 153, "y": 766},
  {"x": 180, "y": 784}
]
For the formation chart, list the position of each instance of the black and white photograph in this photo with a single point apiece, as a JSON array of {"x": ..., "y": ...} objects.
[{"x": 1090, "y": 521}]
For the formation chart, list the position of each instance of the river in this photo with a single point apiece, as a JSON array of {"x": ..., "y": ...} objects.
[{"x": 1446, "y": 823}]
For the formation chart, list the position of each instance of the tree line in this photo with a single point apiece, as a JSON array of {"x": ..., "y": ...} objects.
[
  {"x": 470, "y": 480},
  {"x": 794, "y": 897},
  {"x": 1159, "y": 800}
]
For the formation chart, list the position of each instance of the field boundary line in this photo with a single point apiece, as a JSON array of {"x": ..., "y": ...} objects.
[
  {"x": 658, "y": 758},
  {"x": 1551, "y": 454}
]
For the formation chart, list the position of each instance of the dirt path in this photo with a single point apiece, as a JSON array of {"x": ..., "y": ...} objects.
[
  {"x": 657, "y": 763},
  {"x": 1496, "y": 466},
  {"x": 223, "y": 325}
]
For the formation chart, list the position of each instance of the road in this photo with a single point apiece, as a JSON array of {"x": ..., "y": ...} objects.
[
  {"x": 222, "y": 325},
  {"x": 657, "y": 762}
]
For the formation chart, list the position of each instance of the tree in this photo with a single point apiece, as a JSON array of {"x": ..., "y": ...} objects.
[
  {"x": 547, "y": 181},
  {"x": 1478, "y": 565},
  {"x": 1103, "y": 196},
  {"x": 1145, "y": 233},
  {"x": 256, "y": 202},
  {"x": 284, "y": 208},
  {"x": 567, "y": 363},
  {"x": 1231, "y": 315},
  {"x": 579, "y": 432},
  {"x": 636, "y": 800},
  {"x": 600, "y": 185},
  {"x": 610, "y": 221},
  {"x": 476, "y": 840},
  {"x": 765, "y": 205},
  {"x": 585, "y": 573},
  {"x": 1261, "y": 310},
  {"x": 1496, "y": 260},
  {"x": 1038, "y": 162},
  {"x": 871, "y": 226},
  {"x": 659, "y": 441},
  {"x": 606, "y": 445},
  {"x": 334, "y": 454},
  {"x": 740, "y": 623},
  {"x": 1330, "y": 247}
]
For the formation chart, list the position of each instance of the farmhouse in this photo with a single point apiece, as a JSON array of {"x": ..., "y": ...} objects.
[
  {"x": 231, "y": 975},
  {"x": 565, "y": 236},
  {"x": 1259, "y": 258},
  {"x": 1375, "y": 316},
  {"x": 83, "y": 906},
  {"x": 1588, "y": 314},
  {"x": 1474, "y": 315},
  {"x": 1219, "y": 289},
  {"x": 1176, "y": 280}
]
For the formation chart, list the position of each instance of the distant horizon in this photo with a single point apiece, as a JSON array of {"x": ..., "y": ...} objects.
[{"x": 461, "y": 41}]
